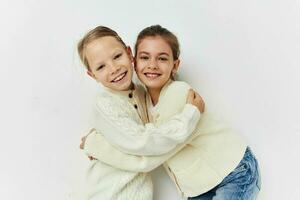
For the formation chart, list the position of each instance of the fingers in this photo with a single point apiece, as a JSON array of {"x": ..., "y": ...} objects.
[
  {"x": 198, "y": 97},
  {"x": 82, "y": 143},
  {"x": 195, "y": 99},
  {"x": 191, "y": 96},
  {"x": 81, "y": 146},
  {"x": 200, "y": 101},
  {"x": 91, "y": 158}
]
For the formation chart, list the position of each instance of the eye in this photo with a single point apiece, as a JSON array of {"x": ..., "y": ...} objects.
[
  {"x": 163, "y": 58},
  {"x": 144, "y": 57},
  {"x": 100, "y": 67},
  {"x": 118, "y": 56}
]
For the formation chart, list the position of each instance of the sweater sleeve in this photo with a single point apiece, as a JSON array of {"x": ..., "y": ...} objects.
[
  {"x": 132, "y": 137},
  {"x": 98, "y": 147}
]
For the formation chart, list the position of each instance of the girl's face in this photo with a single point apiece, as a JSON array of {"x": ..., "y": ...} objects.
[
  {"x": 154, "y": 62},
  {"x": 110, "y": 63}
]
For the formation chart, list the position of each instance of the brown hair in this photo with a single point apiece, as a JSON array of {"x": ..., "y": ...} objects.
[
  {"x": 157, "y": 30},
  {"x": 96, "y": 33}
]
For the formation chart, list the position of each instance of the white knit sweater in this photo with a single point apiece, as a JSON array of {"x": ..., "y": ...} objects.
[
  {"x": 119, "y": 120},
  {"x": 211, "y": 153},
  {"x": 107, "y": 183}
]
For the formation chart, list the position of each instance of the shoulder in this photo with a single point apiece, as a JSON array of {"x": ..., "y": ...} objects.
[
  {"x": 177, "y": 89},
  {"x": 178, "y": 86},
  {"x": 105, "y": 98},
  {"x": 173, "y": 98},
  {"x": 110, "y": 104}
]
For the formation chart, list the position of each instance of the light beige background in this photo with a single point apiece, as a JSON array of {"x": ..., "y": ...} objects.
[{"x": 242, "y": 56}]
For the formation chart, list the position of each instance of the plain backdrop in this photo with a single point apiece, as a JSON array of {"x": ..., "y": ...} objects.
[{"x": 241, "y": 56}]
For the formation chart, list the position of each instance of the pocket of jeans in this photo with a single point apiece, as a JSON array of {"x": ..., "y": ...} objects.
[
  {"x": 241, "y": 167},
  {"x": 241, "y": 174}
]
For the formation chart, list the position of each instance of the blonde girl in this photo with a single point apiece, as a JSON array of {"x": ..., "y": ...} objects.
[{"x": 121, "y": 115}]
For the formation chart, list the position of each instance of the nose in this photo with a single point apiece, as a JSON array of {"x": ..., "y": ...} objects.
[
  {"x": 152, "y": 64},
  {"x": 114, "y": 68}
]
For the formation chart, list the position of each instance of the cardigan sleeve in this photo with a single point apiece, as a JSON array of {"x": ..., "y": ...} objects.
[
  {"x": 99, "y": 148},
  {"x": 131, "y": 137}
]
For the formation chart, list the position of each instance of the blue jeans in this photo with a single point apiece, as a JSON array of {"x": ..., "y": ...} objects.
[{"x": 241, "y": 184}]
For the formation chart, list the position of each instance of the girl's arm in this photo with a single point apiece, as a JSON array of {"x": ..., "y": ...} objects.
[
  {"x": 98, "y": 147},
  {"x": 132, "y": 137}
]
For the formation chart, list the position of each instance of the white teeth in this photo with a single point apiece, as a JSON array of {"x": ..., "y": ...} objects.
[
  {"x": 151, "y": 75},
  {"x": 119, "y": 77}
]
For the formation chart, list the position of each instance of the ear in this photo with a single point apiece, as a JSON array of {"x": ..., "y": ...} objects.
[
  {"x": 134, "y": 63},
  {"x": 90, "y": 74},
  {"x": 129, "y": 52},
  {"x": 176, "y": 66}
]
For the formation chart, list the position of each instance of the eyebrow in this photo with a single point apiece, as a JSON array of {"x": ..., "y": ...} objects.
[
  {"x": 163, "y": 53},
  {"x": 114, "y": 53},
  {"x": 98, "y": 64},
  {"x": 117, "y": 50}
]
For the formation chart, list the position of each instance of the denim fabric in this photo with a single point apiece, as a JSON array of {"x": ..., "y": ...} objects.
[{"x": 241, "y": 184}]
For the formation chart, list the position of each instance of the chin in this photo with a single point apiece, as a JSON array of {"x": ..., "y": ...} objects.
[
  {"x": 125, "y": 86},
  {"x": 154, "y": 85}
]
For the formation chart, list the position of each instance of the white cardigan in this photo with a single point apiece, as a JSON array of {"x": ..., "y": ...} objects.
[
  {"x": 121, "y": 125},
  {"x": 211, "y": 153}
]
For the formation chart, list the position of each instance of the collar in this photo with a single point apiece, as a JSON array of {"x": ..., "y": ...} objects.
[{"x": 125, "y": 93}]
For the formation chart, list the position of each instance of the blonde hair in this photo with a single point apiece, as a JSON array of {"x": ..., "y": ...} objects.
[{"x": 94, "y": 34}]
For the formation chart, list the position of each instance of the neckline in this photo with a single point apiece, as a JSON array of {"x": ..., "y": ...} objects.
[{"x": 125, "y": 93}]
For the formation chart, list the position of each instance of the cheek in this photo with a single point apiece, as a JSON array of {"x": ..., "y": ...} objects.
[
  {"x": 167, "y": 68},
  {"x": 140, "y": 65},
  {"x": 137, "y": 68},
  {"x": 102, "y": 76},
  {"x": 171, "y": 66},
  {"x": 128, "y": 64},
  {"x": 139, "y": 71}
]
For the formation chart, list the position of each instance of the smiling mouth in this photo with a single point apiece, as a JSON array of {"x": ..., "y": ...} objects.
[
  {"x": 152, "y": 75},
  {"x": 119, "y": 78}
]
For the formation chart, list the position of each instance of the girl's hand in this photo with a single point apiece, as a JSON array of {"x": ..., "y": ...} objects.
[
  {"x": 91, "y": 158},
  {"x": 195, "y": 99},
  {"x": 82, "y": 142},
  {"x": 83, "y": 139},
  {"x": 81, "y": 146}
]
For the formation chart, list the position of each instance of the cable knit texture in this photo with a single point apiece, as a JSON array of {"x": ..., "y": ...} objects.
[
  {"x": 108, "y": 183},
  {"x": 105, "y": 182},
  {"x": 207, "y": 157},
  {"x": 119, "y": 122}
]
